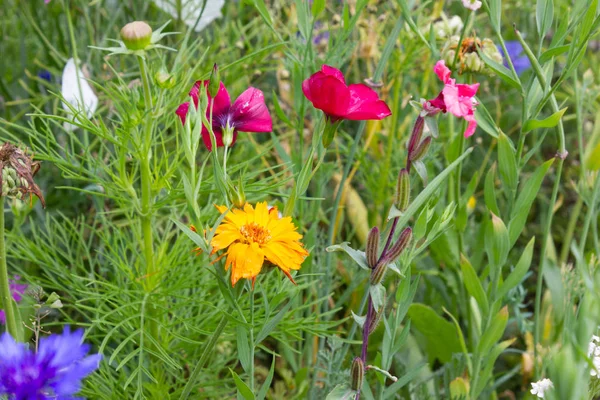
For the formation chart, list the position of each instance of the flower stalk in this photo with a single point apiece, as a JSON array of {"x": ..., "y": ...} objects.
[{"x": 6, "y": 297}]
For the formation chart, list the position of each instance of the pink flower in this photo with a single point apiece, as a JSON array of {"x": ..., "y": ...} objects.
[
  {"x": 248, "y": 113},
  {"x": 458, "y": 99},
  {"x": 17, "y": 291},
  {"x": 327, "y": 90},
  {"x": 472, "y": 4}
]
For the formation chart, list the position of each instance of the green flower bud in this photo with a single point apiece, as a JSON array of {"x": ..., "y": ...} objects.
[
  {"x": 214, "y": 82},
  {"x": 372, "y": 247},
  {"x": 418, "y": 152},
  {"x": 357, "y": 373},
  {"x": 394, "y": 252},
  {"x": 472, "y": 62},
  {"x": 164, "y": 79},
  {"x": 136, "y": 35},
  {"x": 402, "y": 198},
  {"x": 491, "y": 50}
]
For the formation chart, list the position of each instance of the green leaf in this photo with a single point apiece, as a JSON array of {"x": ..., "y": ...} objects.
[
  {"x": 527, "y": 195},
  {"x": 489, "y": 362},
  {"x": 503, "y": 73},
  {"x": 517, "y": 275},
  {"x": 485, "y": 121},
  {"x": 553, "y": 52},
  {"x": 473, "y": 284},
  {"x": 271, "y": 324},
  {"x": 317, "y": 7},
  {"x": 267, "y": 384},
  {"x": 497, "y": 244},
  {"x": 489, "y": 191},
  {"x": 242, "y": 388},
  {"x": 243, "y": 347},
  {"x": 358, "y": 256},
  {"x": 507, "y": 162},
  {"x": 341, "y": 392},
  {"x": 262, "y": 9},
  {"x": 360, "y": 320},
  {"x": 441, "y": 336},
  {"x": 436, "y": 183},
  {"x": 592, "y": 161},
  {"x": 494, "y": 332},
  {"x": 279, "y": 111},
  {"x": 377, "y": 293},
  {"x": 549, "y": 122},
  {"x": 495, "y": 13},
  {"x": 544, "y": 13}
]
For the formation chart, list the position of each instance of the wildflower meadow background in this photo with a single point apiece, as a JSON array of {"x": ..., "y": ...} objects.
[{"x": 294, "y": 199}]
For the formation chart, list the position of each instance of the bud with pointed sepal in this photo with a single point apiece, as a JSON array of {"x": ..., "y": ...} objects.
[
  {"x": 214, "y": 82},
  {"x": 136, "y": 35},
  {"x": 378, "y": 273},
  {"x": 418, "y": 152},
  {"x": 375, "y": 319},
  {"x": 402, "y": 198},
  {"x": 417, "y": 133},
  {"x": 357, "y": 373},
  {"x": 372, "y": 249},
  {"x": 394, "y": 252}
]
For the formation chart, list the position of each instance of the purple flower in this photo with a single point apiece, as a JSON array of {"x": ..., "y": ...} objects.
[
  {"x": 17, "y": 291},
  {"x": 45, "y": 75},
  {"x": 54, "y": 372},
  {"x": 515, "y": 52}
]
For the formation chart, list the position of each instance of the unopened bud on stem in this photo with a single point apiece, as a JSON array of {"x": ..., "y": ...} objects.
[
  {"x": 417, "y": 153},
  {"x": 372, "y": 247},
  {"x": 402, "y": 190},
  {"x": 416, "y": 134},
  {"x": 394, "y": 252},
  {"x": 375, "y": 319},
  {"x": 214, "y": 82},
  {"x": 357, "y": 373},
  {"x": 378, "y": 273},
  {"x": 136, "y": 35}
]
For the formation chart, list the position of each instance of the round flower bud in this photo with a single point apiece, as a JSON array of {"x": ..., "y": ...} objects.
[
  {"x": 136, "y": 35},
  {"x": 164, "y": 80}
]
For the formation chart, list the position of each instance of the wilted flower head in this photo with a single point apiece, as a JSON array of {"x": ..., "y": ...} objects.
[
  {"x": 472, "y": 4},
  {"x": 18, "y": 171},
  {"x": 253, "y": 235},
  {"x": 539, "y": 388},
  {"x": 445, "y": 27},
  {"x": 327, "y": 90},
  {"x": 458, "y": 99},
  {"x": 248, "y": 113},
  {"x": 515, "y": 51},
  {"x": 16, "y": 290},
  {"x": 468, "y": 58},
  {"x": 54, "y": 372}
]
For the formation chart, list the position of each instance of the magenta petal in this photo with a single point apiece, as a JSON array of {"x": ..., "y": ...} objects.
[
  {"x": 222, "y": 100},
  {"x": 182, "y": 111},
  {"x": 327, "y": 93},
  {"x": 365, "y": 104},
  {"x": 472, "y": 124},
  {"x": 467, "y": 90},
  {"x": 442, "y": 71},
  {"x": 331, "y": 71},
  {"x": 249, "y": 112}
]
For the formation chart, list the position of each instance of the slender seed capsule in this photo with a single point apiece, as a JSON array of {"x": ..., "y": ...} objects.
[
  {"x": 402, "y": 190},
  {"x": 420, "y": 150},
  {"x": 416, "y": 134},
  {"x": 394, "y": 252},
  {"x": 357, "y": 373},
  {"x": 372, "y": 247},
  {"x": 375, "y": 319},
  {"x": 378, "y": 273},
  {"x": 136, "y": 35}
]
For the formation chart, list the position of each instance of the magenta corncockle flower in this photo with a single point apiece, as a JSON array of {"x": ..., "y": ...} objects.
[
  {"x": 327, "y": 91},
  {"x": 248, "y": 113},
  {"x": 458, "y": 99},
  {"x": 16, "y": 290}
]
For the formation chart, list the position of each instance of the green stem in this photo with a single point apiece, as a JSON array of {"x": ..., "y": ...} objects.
[
  {"x": 251, "y": 372},
  {"x": 564, "y": 251},
  {"x": 6, "y": 297},
  {"x": 225, "y": 162},
  {"x": 203, "y": 358}
]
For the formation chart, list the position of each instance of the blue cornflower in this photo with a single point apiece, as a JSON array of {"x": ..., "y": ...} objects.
[
  {"x": 54, "y": 372},
  {"x": 45, "y": 75},
  {"x": 515, "y": 52}
]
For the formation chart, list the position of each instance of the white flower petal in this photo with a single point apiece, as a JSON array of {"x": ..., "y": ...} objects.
[
  {"x": 78, "y": 94},
  {"x": 191, "y": 9}
]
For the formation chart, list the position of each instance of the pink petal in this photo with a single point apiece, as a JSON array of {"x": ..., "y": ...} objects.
[
  {"x": 467, "y": 90},
  {"x": 218, "y": 137},
  {"x": 327, "y": 93},
  {"x": 222, "y": 100},
  {"x": 442, "y": 71},
  {"x": 365, "y": 104},
  {"x": 459, "y": 106},
  {"x": 182, "y": 111},
  {"x": 436, "y": 105},
  {"x": 331, "y": 71},
  {"x": 471, "y": 126},
  {"x": 249, "y": 112}
]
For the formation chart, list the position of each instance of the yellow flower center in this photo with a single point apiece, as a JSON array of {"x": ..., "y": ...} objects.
[{"x": 254, "y": 233}]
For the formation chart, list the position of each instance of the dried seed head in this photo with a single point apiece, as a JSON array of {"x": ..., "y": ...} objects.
[
  {"x": 420, "y": 150},
  {"x": 402, "y": 198},
  {"x": 372, "y": 249},
  {"x": 18, "y": 171},
  {"x": 357, "y": 373},
  {"x": 136, "y": 35},
  {"x": 394, "y": 252}
]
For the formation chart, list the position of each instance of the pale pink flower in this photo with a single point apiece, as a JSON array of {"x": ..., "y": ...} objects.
[{"x": 472, "y": 4}]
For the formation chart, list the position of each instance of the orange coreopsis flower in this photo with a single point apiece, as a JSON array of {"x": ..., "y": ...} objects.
[{"x": 252, "y": 235}]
